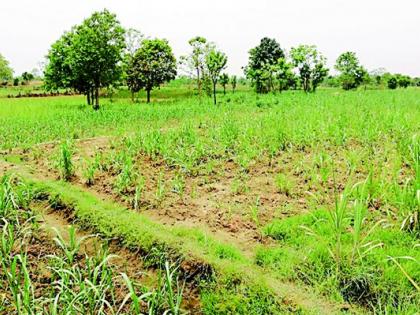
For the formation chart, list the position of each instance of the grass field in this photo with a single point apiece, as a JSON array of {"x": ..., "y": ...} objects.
[{"x": 268, "y": 204}]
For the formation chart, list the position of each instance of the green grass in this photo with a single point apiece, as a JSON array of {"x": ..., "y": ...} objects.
[
  {"x": 233, "y": 273},
  {"x": 351, "y": 157},
  {"x": 292, "y": 118}
]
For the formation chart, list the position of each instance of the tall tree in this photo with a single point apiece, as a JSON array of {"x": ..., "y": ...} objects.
[
  {"x": 311, "y": 66},
  {"x": 153, "y": 64},
  {"x": 352, "y": 74},
  {"x": 216, "y": 63},
  {"x": 6, "y": 73},
  {"x": 261, "y": 59},
  {"x": 195, "y": 62},
  {"x": 89, "y": 57}
]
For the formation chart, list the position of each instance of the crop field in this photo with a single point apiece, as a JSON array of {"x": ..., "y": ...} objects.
[{"x": 263, "y": 204}]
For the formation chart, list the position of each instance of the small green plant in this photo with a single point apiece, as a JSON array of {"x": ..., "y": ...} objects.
[
  {"x": 132, "y": 294},
  {"x": 90, "y": 172},
  {"x": 167, "y": 298},
  {"x": 138, "y": 194},
  {"x": 178, "y": 185},
  {"x": 71, "y": 247},
  {"x": 127, "y": 177},
  {"x": 255, "y": 210},
  {"x": 283, "y": 184},
  {"x": 64, "y": 163},
  {"x": 160, "y": 189}
]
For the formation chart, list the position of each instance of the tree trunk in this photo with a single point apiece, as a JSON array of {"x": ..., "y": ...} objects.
[
  {"x": 214, "y": 93},
  {"x": 132, "y": 96},
  {"x": 88, "y": 98},
  {"x": 96, "y": 105},
  {"x": 224, "y": 89},
  {"x": 92, "y": 96},
  {"x": 148, "y": 96}
]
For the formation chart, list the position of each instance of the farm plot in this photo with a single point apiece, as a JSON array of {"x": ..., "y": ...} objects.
[{"x": 279, "y": 203}]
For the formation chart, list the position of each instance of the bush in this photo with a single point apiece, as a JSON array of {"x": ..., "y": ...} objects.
[{"x": 392, "y": 83}]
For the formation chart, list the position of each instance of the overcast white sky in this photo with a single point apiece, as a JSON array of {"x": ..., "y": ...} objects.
[{"x": 383, "y": 33}]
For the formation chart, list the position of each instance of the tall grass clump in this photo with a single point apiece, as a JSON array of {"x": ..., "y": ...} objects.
[{"x": 64, "y": 162}]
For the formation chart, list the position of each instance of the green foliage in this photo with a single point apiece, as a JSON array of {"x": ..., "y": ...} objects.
[
  {"x": 311, "y": 66},
  {"x": 195, "y": 63},
  {"x": 261, "y": 60},
  {"x": 88, "y": 57},
  {"x": 241, "y": 301},
  {"x": 64, "y": 161},
  {"x": 283, "y": 184},
  {"x": 233, "y": 81},
  {"x": 392, "y": 83},
  {"x": 27, "y": 77},
  {"x": 152, "y": 65},
  {"x": 6, "y": 73},
  {"x": 352, "y": 73},
  {"x": 403, "y": 80},
  {"x": 284, "y": 75},
  {"x": 224, "y": 80},
  {"x": 215, "y": 62}
]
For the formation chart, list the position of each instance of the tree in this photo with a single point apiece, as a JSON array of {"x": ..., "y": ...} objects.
[
  {"x": 195, "y": 62},
  {"x": 216, "y": 62},
  {"x": 261, "y": 60},
  {"x": 233, "y": 81},
  {"x": 58, "y": 73},
  {"x": 153, "y": 64},
  {"x": 6, "y": 73},
  {"x": 133, "y": 40},
  {"x": 392, "y": 83},
  {"x": 404, "y": 81},
  {"x": 311, "y": 66},
  {"x": 283, "y": 74},
  {"x": 224, "y": 80},
  {"x": 352, "y": 73},
  {"x": 27, "y": 77},
  {"x": 88, "y": 58},
  {"x": 378, "y": 75}
]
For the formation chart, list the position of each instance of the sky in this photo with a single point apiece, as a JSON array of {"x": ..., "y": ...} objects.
[{"x": 383, "y": 33}]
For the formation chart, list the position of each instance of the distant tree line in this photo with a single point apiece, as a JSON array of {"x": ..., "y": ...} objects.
[{"x": 100, "y": 54}]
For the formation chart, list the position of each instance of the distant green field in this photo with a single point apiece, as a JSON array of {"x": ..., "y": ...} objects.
[{"x": 326, "y": 115}]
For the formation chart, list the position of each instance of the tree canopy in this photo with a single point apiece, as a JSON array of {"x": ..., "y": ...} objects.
[
  {"x": 195, "y": 63},
  {"x": 88, "y": 57},
  {"x": 153, "y": 64},
  {"x": 261, "y": 60},
  {"x": 216, "y": 62},
  {"x": 352, "y": 74},
  {"x": 311, "y": 66},
  {"x": 6, "y": 72}
]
